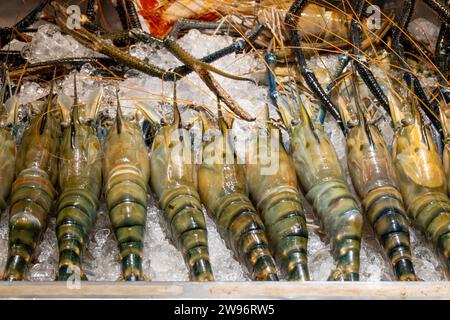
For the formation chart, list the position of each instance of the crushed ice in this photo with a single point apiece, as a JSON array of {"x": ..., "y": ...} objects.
[{"x": 50, "y": 44}]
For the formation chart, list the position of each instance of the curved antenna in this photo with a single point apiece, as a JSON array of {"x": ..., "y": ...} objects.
[
  {"x": 308, "y": 74},
  {"x": 361, "y": 64}
]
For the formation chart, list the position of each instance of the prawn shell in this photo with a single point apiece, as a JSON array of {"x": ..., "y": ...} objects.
[
  {"x": 322, "y": 178},
  {"x": 33, "y": 193},
  {"x": 277, "y": 199},
  {"x": 373, "y": 175},
  {"x": 426, "y": 198},
  {"x": 174, "y": 181},
  {"x": 222, "y": 188},
  {"x": 80, "y": 182},
  {"x": 126, "y": 171}
]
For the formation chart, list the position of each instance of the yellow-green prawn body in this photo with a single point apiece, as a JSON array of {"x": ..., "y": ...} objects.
[
  {"x": 223, "y": 191},
  {"x": 33, "y": 190},
  {"x": 174, "y": 181},
  {"x": 272, "y": 181},
  {"x": 80, "y": 183},
  {"x": 373, "y": 175},
  {"x": 126, "y": 172}
]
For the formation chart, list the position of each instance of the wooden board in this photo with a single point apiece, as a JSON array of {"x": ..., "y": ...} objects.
[{"x": 226, "y": 290}]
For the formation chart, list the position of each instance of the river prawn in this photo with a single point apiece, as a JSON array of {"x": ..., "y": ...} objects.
[
  {"x": 174, "y": 181},
  {"x": 223, "y": 190},
  {"x": 324, "y": 182},
  {"x": 80, "y": 182},
  {"x": 126, "y": 172},
  {"x": 34, "y": 189},
  {"x": 421, "y": 175},
  {"x": 374, "y": 178}
]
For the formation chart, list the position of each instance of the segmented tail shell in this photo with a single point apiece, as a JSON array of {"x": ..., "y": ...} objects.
[
  {"x": 321, "y": 176},
  {"x": 423, "y": 184},
  {"x": 384, "y": 209},
  {"x": 77, "y": 212},
  {"x": 187, "y": 227},
  {"x": 31, "y": 202},
  {"x": 126, "y": 196},
  {"x": 222, "y": 188},
  {"x": 240, "y": 226},
  {"x": 285, "y": 222},
  {"x": 276, "y": 196},
  {"x": 340, "y": 215},
  {"x": 33, "y": 192},
  {"x": 431, "y": 212}
]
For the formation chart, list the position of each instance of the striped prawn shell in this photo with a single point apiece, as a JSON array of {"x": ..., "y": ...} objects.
[
  {"x": 277, "y": 198},
  {"x": 222, "y": 189},
  {"x": 33, "y": 193},
  {"x": 7, "y": 163},
  {"x": 323, "y": 180},
  {"x": 374, "y": 178},
  {"x": 423, "y": 185},
  {"x": 80, "y": 182},
  {"x": 174, "y": 182},
  {"x": 126, "y": 173}
]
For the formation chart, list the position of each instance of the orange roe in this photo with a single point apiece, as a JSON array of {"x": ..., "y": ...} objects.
[{"x": 152, "y": 12}]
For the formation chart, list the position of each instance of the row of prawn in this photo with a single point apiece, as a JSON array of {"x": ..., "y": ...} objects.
[
  {"x": 260, "y": 216},
  {"x": 408, "y": 182},
  {"x": 59, "y": 166},
  {"x": 62, "y": 169}
]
